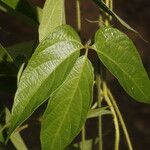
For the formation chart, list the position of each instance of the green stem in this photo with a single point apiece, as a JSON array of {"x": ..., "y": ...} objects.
[
  {"x": 98, "y": 81},
  {"x": 121, "y": 120},
  {"x": 100, "y": 21},
  {"x": 78, "y": 15},
  {"x": 107, "y": 2},
  {"x": 111, "y": 8},
  {"x": 21, "y": 128},
  {"x": 94, "y": 105},
  {"x": 116, "y": 122}
]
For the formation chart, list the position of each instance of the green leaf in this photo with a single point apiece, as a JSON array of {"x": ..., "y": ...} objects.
[
  {"x": 30, "y": 10},
  {"x": 20, "y": 72},
  {"x": 15, "y": 138},
  {"x": 68, "y": 107},
  {"x": 53, "y": 16},
  {"x": 106, "y": 9},
  {"x": 46, "y": 70},
  {"x": 7, "y": 64},
  {"x": 21, "y": 52},
  {"x": 89, "y": 144},
  {"x": 119, "y": 55},
  {"x": 4, "y": 55},
  {"x": 98, "y": 112},
  {"x": 23, "y": 10},
  {"x": 2, "y": 122},
  {"x": 1, "y": 135},
  {"x": 17, "y": 141},
  {"x": 22, "y": 6},
  {"x": 11, "y": 3},
  {"x": 13, "y": 56},
  {"x": 39, "y": 13}
]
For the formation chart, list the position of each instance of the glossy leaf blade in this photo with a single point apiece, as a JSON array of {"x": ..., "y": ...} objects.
[
  {"x": 52, "y": 17},
  {"x": 119, "y": 55},
  {"x": 68, "y": 107},
  {"x": 46, "y": 70}
]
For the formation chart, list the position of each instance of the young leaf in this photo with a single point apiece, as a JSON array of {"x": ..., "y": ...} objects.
[
  {"x": 46, "y": 70},
  {"x": 106, "y": 9},
  {"x": 119, "y": 55},
  {"x": 15, "y": 138},
  {"x": 89, "y": 144},
  {"x": 68, "y": 107},
  {"x": 52, "y": 17},
  {"x": 98, "y": 112}
]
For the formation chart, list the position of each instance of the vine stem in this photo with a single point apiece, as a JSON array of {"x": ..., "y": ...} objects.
[
  {"x": 78, "y": 15},
  {"x": 98, "y": 81},
  {"x": 107, "y": 2},
  {"x": 120, "y": 119},
  {"x": 115, "y": 118},
  {"x": 111, "y": 8},
  {"x": 99, "y": 78}
]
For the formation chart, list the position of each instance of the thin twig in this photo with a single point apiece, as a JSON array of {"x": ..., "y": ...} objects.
[
  {"x": 98, "y": 80},
  {"x": 120, "y": 119},
  {"x": 78, "y": 15},
  {"x": 21, "y": 128},
  {"x": 115, "y": 118}
]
